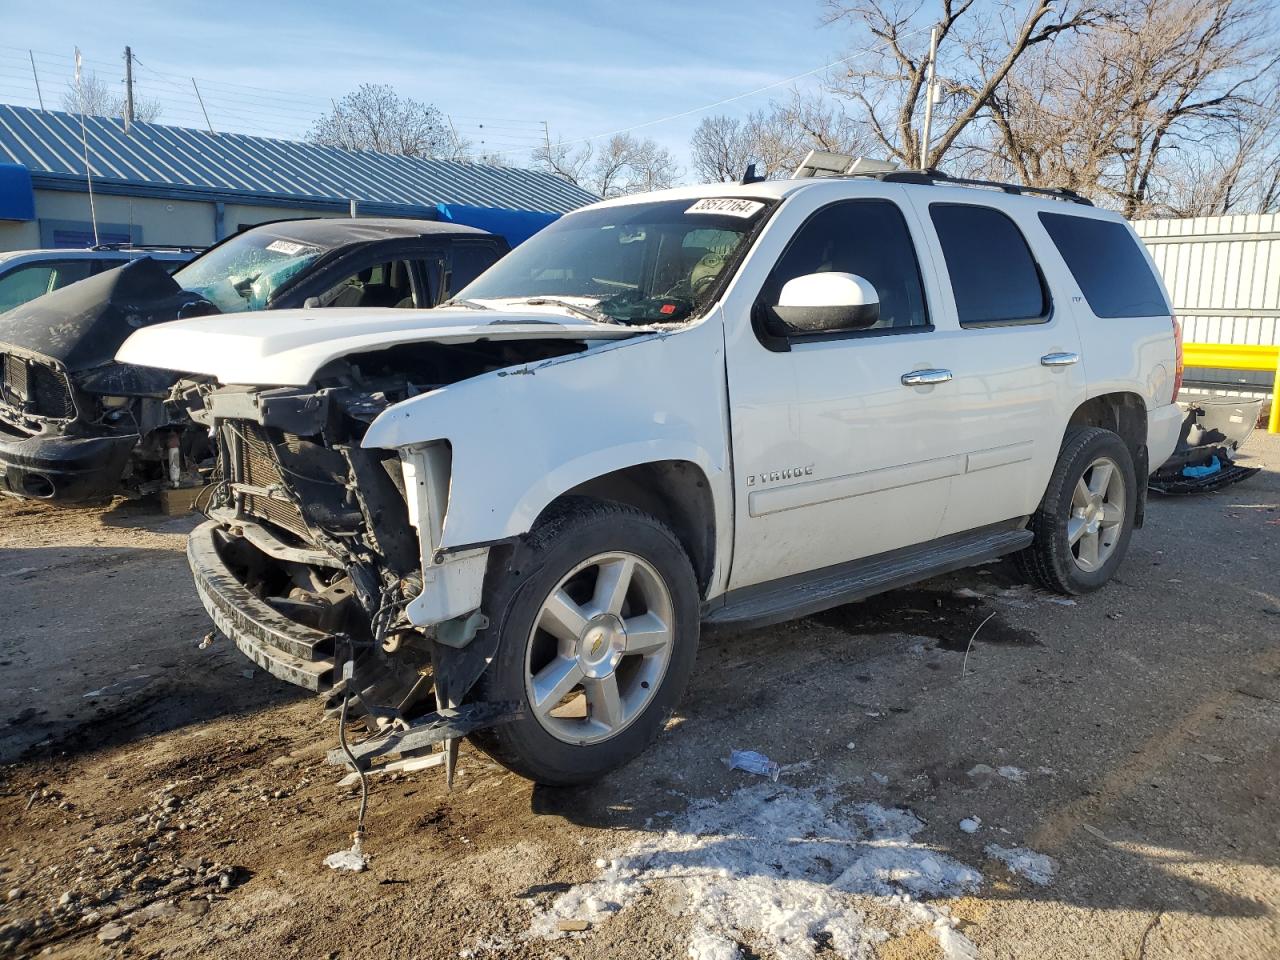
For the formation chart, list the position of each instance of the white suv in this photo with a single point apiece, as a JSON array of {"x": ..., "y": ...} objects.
[{"x": 718, "y": 405}]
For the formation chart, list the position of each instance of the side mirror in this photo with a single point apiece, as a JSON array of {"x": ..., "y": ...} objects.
[
  {"x": 311, "y": 303},
  {"x": 827, "y": 303}
]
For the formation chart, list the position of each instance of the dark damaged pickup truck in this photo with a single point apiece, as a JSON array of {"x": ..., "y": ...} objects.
[{"x": 77, "y": 425}]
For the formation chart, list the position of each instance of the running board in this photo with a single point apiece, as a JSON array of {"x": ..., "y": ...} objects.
[{"x": 808, "y": 593}]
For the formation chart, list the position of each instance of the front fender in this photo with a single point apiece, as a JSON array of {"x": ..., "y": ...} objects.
[{"x": 522, "y": 436}]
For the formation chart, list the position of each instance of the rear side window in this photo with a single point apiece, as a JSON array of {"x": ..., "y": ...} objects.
[
  {"x": 469, "y": 261},
  {"x": 1104, "y": 258},
  {"x": 993, "y": 275},
  {"x": 868, "y": 238}
]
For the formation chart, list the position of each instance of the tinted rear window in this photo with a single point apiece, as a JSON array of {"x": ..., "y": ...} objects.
[
  {"x": 993, "y": 276},
  {"x": 1104, "y": 258}
]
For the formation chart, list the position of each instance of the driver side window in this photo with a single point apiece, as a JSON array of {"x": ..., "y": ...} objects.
[{"x": 867, "y": 238}]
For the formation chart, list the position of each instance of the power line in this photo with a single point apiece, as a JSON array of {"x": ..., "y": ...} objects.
[{"x": 743, "y": 96}]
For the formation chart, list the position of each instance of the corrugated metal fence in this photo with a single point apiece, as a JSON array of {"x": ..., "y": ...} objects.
[{"x": 1223, "y": 274}]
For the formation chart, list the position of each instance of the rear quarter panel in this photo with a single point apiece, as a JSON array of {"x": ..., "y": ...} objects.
[{"x": 1121, "y": 354}]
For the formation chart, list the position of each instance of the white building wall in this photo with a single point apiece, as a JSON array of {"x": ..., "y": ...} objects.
[{"x": 1223, "y": 274}]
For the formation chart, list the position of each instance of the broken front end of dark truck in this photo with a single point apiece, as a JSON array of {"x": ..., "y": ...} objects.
[{"x": 76, "y": 425}]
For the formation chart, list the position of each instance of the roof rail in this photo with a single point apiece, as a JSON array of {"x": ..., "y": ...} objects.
[
  {"x": 177, "y": 247},
  {"x": 937, "y": 177}
]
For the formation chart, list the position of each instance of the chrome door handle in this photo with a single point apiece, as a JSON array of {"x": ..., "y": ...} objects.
[
  {"x": 924, "y": 378},
  {"x": 1059, "y": 359}
]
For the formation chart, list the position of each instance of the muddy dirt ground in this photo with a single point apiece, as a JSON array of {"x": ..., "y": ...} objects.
[{"x": 160, "y": 799}]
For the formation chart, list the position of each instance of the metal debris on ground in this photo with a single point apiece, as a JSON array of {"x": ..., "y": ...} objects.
[
  {"x": 753, "y": 762},
  {"x": 964, "y": 665}
]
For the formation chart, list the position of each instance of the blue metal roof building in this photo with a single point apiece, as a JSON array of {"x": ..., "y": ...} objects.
[{"x": 217, "y": 182}]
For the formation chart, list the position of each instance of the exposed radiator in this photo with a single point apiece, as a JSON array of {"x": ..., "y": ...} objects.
[
  {"x": 257, "y": 466},
  {"x": 32, "y": 388}
]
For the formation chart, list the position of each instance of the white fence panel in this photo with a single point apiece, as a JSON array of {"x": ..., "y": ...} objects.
[{"x": 1223, "y": 274}]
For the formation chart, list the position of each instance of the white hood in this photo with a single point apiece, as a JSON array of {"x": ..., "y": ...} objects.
[{"x": 287, "y": 347}]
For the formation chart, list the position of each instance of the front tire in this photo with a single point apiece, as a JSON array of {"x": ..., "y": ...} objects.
[
  {"x": 1084, "y": 523},
  {"x": 598, "y": 616}
]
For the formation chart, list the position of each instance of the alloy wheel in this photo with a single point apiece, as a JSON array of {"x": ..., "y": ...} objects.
[
  {"x": 599, "y": 648},
  {"x": 1096, "y": 520}
]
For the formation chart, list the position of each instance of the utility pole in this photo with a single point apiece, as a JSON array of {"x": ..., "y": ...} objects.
[
  {"x": 929, "y": 96},
  {"x": 546, "y": 135},
  {"x": 36, "y": 76},
  {"x": 128, "y": 88}
]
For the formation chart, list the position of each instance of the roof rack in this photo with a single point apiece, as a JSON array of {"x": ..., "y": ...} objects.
[
  {"x": 176, "y": 247},
  {"x": 937, "y": 177},
  {"x": 824, "y": 163}
]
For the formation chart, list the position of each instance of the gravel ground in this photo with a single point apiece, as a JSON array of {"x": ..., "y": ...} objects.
[{"x": 166, "y": 800}]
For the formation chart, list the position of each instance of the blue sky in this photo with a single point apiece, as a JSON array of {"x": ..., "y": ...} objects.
[{"x": 586, "y": 68}]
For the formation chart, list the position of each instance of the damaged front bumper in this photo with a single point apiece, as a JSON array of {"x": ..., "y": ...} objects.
[
  {"x": 63, "y": 468},
  {"x": 284, "y": 648},
  {"x": 306, "y": 657}
]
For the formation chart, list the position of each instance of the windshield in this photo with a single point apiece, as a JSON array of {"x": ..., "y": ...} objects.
[
  {"x": 636, "y": 263},
  {"x": 244, "y": 272}
]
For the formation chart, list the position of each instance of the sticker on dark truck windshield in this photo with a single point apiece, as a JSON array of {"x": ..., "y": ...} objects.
[
  {"x": 288, "y": 247},
  {"x": 727, "y": 206}
]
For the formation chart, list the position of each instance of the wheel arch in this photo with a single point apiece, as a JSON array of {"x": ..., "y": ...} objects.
[
  {"x": 676, "y": 492},
  {"x": 1124, "y": 413}
]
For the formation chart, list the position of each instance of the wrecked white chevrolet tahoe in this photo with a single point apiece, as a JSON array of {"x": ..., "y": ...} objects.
[{"x": 723, "y": 405}]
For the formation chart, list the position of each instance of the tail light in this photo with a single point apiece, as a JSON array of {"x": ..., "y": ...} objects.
[{"x": 1177, "y": 350}]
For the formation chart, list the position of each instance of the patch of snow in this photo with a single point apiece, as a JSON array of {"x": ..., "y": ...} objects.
[
  {"x": 880, "y": 778},
  {"x": 1039, "y": 868},
  {"x": 1016, "y": 774},
  {"x": 954, "y": 944},
  {"x": 980, "y": 770},
  {"x": 780, "y": 867},
  {"x": 704, "y": 945},
  {"x": 967, "y": 593},
  {"x": 971, "y": 824}
]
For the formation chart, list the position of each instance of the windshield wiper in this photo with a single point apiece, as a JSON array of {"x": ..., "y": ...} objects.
[
  {"x": 469, "y": 304},
  {"x": 588, "y": 312}
]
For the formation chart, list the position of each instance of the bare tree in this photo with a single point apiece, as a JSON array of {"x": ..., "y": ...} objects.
[
  {"x": 776, "y": 139},
  {"x": 1240, "y": 175},
  {"x": 1168, "y": 106},
  {"x": 375, "y": 117},
  {"x": 978, "y": 48},
  {"x": 625, "y": 164},
  {"x": 719, "y": 149},
  {"x": 95, "y": 97}
]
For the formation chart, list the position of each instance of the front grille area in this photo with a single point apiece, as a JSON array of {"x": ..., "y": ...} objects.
[
  {"x": 257, "y": 466},
  {"x": 30, "y": 388}
]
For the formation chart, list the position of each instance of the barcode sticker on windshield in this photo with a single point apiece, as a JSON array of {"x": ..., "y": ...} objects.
[
  {"x": 727, "y": 206},
  {"x": 287, "y": 247}
]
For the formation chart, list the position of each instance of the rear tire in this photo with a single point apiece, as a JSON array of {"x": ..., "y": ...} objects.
[
  {"x": 598, "y": 616},
  {"x": 1083, "y": 525}
]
